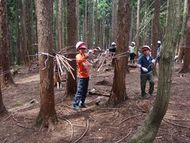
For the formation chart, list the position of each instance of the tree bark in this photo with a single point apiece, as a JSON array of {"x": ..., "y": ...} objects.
[
  {"x": 3, "y": 41},
  {"x": 18, "y": 35},
  {"x": 25, "y": 28},
  {"x": 118, "y": 93},
  {"x": 114, "y": 19},
  {"x": 60, "y": 24},
  {"x": 155, "y": 31},
  {"x": 147, "y": 133},
  {"x": 183, "y": 31},
  {"x": 186, "y": 63},
  {"x": 72, "y": 36},
  {"x": 47, "y": 114},
  {"x": 6, "y": 77},
  {"x": 137, "y": 37},
  {"x": 2, "y": 106}
]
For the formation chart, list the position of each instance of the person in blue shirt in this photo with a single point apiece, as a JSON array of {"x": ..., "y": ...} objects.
[{"x": 145, "y": 63}]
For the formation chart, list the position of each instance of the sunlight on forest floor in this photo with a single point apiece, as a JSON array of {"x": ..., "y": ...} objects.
[{"x": 32, "y": 78}]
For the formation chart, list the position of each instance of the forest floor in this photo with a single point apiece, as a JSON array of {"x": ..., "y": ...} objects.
[{"x": 94, "y": 124}]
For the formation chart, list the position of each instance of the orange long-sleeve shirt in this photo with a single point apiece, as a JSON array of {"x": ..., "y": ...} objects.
[{"x": 82, "y": 65}]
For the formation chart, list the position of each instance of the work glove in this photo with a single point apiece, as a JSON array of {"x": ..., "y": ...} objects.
[
  {"x": 144, "y": 69},
  {"x": 153, "y": 61},
  {"x": 138, "y": 65},
  {"x": 90, "y": 51}
]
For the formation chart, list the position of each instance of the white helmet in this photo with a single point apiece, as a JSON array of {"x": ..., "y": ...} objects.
[
  {"x": 133, "y": 43},
  {"x": 113, "y": 43},
  {"x": 81, "y": 45},
  {"x": 146, "y": 47},
  {"x": 159, "y": 42}
]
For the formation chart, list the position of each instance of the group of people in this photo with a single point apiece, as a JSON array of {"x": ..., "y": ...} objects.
[{"x": 145, "y": 62}]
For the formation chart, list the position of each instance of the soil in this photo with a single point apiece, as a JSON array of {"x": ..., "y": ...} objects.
[{"x": 96, "y": 123}]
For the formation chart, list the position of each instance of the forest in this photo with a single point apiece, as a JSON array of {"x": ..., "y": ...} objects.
[{"x": 94, "y": 71}]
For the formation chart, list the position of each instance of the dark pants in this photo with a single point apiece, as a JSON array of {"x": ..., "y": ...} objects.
[
  {"x": 144, "y": 78},
  {"x": 82, "y": 89},
  {"x": 132, "y": 58}
]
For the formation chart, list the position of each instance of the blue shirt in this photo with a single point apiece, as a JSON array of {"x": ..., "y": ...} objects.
[{"x": 145, "y": 61}]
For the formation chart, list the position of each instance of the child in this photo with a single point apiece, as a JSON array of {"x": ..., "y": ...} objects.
[
  {"x": 83, "y": 76},
  {"x": 145, "y": 63}
]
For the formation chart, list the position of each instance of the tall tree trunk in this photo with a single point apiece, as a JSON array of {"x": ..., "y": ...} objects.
[
  {"x": 89, "y": 23},
  {"x": 96, "y": 25},
  {"x": 18, "y": 35},
  {"x": 72, "y": 36},
  {"x": 29, "y": 33},
  {"x": 65, "y": 29},
  {"x": 6, "y": 77},
  {"x": 78, "y": 20},
  {"x": 186, "y": 63},
  {"x": 147, "y": 133},
  {"x": 60, "y": 24},
  {"x": 118, "y": 93},
  {"x": 137, "y": 37},
  {"x": 2, "y": 106},
  {"x": 47, "y": 114},
  {"x": 24, "y": 33},
  {"x": 114, "y": 19},
  {"x": 155, "y": 31},
  {"x": 86, "y": 22},
  {"x": 183, "y": 31}
]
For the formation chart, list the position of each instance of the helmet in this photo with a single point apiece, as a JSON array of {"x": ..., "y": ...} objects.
[
  {"x": 80, "y": 45},
  {"x": 113, "y": 43},
  {"x": 132, "y": 43},
  {"x": 159, "y": 42},
  {"x": 145, "y": 47}
]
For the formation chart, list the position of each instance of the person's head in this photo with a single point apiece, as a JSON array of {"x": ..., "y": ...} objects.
[
  {"x": 159, "y": 43},
  {"x": 81, "y": 46},
  {"x": 146, "y": 50},
  {"x": 113, "y": 44},
  {"x": 132, "y": 44}
]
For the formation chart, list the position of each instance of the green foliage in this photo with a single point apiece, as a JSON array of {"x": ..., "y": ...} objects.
[{"x": 104, "y": 10}]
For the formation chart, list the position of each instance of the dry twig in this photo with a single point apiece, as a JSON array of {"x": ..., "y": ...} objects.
[
  {"x": 130, "y": 118},
  {"x": 87, "y": 127},
  {"x": 124, "y": 137},
  {"x": 176, "y": 124},
  {"x": 71, "y": 128}
]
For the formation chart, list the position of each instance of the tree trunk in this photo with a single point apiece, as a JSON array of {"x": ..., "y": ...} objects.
[
  {"x": 60, "y": 24},
  {"x": 183, "y": 31},
  {"x": 24, "y": 32},
  {"x": 6, "y": 77},
  {"x": 86, "y": 22},
  {"x": 118, "y": 93},
  {"x": 155, "y": 31},
  {"x": 186, "y": 63},
  {"x": 78, "y": 20},
  {"x": 147, "y": 133},
  {"x": 47, "y": 114},
  {"x": 114, "y": 19},
  {"x": 137, "y": 37},
  {"x": 89, "y": 24},
  {"x": 18, "y": 35},
  {"x": 2, "y": 107},
  {"x": 72, "y": 35}
]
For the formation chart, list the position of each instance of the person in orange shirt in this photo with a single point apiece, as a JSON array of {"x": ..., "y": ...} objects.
[{"x": 83, "y": 76}]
